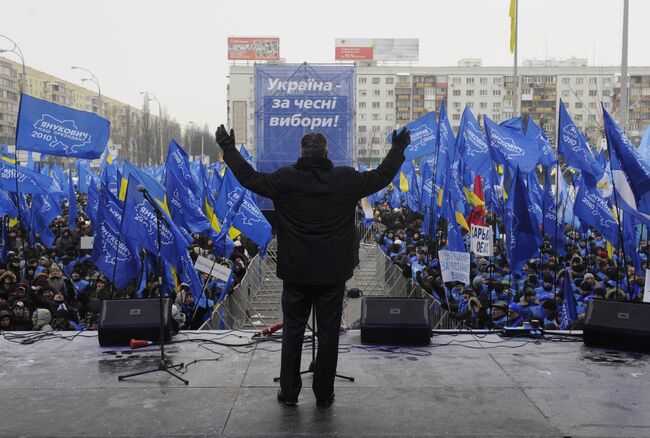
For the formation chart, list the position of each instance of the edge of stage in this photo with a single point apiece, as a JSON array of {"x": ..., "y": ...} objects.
[{"x": 461, "y": 385}]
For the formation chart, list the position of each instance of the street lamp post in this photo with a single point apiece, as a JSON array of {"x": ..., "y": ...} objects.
[
  {"x": 190, "y": 123},
  {"x": 94, "y": 79},
  {"x": 16, "y": 49},
  {"x": 150, "y": 96}
]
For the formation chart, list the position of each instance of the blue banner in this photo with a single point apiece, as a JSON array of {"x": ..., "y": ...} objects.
[
  {"x": 57, "y": 130},
  {"x": 572, "y": 145},
  {"x": 295, "y": 99}
]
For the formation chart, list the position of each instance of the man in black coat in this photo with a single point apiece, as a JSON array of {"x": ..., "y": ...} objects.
[{"x": 315, "y": 206}]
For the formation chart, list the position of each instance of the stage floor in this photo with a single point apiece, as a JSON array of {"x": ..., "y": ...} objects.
[{"x": 462, "y": 385}]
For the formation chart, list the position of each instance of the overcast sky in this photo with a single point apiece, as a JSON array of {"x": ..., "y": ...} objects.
[{"x": 177, "y": 48}]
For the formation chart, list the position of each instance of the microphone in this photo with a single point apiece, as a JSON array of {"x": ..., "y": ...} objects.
[
  {"x": 266, "y": 331},
  {"x": 141, "y": 188}
]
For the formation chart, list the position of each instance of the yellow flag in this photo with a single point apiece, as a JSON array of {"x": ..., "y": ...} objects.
[
  {"x": 403, "y": 182},
  {"x": 460, "y": 219},
  {"x": 513, "y": 25},
  {"x": 610, "y": 250},
  {"x": 472, "y": 198}
]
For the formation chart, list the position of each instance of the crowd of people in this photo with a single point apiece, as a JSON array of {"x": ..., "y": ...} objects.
[
  {"x": 495, "y": 298},
  {"x": 59, "y": 288}
]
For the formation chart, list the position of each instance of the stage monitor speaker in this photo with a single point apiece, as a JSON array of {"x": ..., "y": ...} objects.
[
  {"x": 122, "y": 320},
  {"x": 395, "y": 321},
  {"x": 617, "y": 324}
]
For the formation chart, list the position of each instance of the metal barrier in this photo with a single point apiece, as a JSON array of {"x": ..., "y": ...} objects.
[{"x": 233, "y": 312}]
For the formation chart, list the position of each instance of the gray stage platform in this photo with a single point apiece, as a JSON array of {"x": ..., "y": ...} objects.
[{"x": 471, "y": 387}]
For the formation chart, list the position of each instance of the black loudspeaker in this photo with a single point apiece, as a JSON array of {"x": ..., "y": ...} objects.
[
  {"x": 122, "y": 320},
  {"x": 395, "y": 321},
  {"x": 617, "y": 324}
]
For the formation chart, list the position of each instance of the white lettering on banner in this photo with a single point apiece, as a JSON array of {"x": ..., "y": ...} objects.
[
  {"x": 570, "y": 136},
  {"x": 147, "y": 217},
  {"x": 507, "y": 145},
  {"x": 454, "y": 266},
  {"x": 475, "y": 141},
  {"x": 481, "y": 241},
  {"x": 306, "y": 121},
  {"x": 9, "y": 173},
  {"x": 207, "y": 266},
  {"x": 420, "y": 136},
  {"x": 109, "y": 245},
  {"x": 598, "y": 207},
  {"x": 60, "y": 132},
  {"x": 315, "y": 103},
  {"x": 291, "y": 86}
]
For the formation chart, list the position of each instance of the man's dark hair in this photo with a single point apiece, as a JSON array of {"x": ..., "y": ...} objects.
[{"x": 313, "y": 144}]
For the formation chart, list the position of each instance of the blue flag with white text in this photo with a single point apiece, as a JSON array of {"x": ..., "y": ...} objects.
[
  {"x": 423, "y": 136},
  {"x": 58, "y": 130}
]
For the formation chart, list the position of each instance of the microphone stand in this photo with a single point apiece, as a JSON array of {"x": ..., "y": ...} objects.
[{"x": 163, "y": 364}]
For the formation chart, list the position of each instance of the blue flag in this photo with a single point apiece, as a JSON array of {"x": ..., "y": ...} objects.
[
  {"x": 592, "y": 210},
  {"x": 510, "y": 148},
  {"x": 93, "y": 203},
  {"x": 29, "y": 181},
  {"x": 116, "y": 256},
  {"x": 72, "y": 203},
  {"x": 630, "y": 174},
  {"x": 184, "y": 206},
  {"x": 547, "y": 157},
  {"x": 7, "y": 205},
  {"x": 426, "y": 183},
  {"x": 569, "y": 312},
  {"x": 423, "y": 137},
  {"x": 45, "y": 208},
  {"x": 550, "y": 223},
  {"x": 521, "y": 234},
  {"x": 472, "y": 144},
  {"x": 247, "y": 218},
  {"x": 573, "y": 147},
  {"x": 86, "y": 176},
  {"x": 141, "y": 225},
  {"x": 57, "y": 130}
]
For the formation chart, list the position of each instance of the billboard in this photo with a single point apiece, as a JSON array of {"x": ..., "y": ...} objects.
[
  {"x": 377, "y": 49},
  {"x": 293, "y": 99},
  {"x": 253, "y": 49}
]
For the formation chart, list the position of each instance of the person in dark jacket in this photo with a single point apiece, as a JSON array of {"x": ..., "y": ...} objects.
[{"x": 315, "y": 205}]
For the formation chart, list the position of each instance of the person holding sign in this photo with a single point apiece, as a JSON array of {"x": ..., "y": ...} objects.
[{"x": 315, "y": 206}]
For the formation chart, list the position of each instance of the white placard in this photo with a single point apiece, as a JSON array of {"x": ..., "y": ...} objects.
[
  {"x": 482, "y": 241},
  {"x": 87, "y": 242},
  {"x": 207, "y": 266},
  {"x": 646, "y": 289},
  {"x": 454, "y": 266}
]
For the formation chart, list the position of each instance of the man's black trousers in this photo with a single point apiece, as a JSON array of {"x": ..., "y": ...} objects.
[{"x": 296, "y": 305}]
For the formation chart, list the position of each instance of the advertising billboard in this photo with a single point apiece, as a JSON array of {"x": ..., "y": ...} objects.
[
  {"x": 377, "y": 49},
  {"x": 253, "y": 49},
  {"x": 293, "y": 99}
]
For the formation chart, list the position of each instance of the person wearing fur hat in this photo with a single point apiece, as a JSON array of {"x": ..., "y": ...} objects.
[{"x": 8, "y": 282}]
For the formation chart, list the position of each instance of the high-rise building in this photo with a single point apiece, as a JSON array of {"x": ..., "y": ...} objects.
[
  {"x": 133, "y": 130},
  {"x": 388, "y": 96}
]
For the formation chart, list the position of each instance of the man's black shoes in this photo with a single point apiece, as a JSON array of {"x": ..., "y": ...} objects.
[
  {"x": 325, "y": 403},
  {"x": 288, "y": 401}
]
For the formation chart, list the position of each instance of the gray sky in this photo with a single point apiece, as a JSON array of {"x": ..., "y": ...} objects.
[{"x": 177, "y": 49}]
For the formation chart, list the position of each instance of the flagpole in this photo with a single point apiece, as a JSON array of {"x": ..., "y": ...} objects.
[
  {"x": 624, "y": 79},
  {"x": 515, "y": 98},
  {"x": 557, "y": 203},
  {"x": 618, "y": 217}
]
